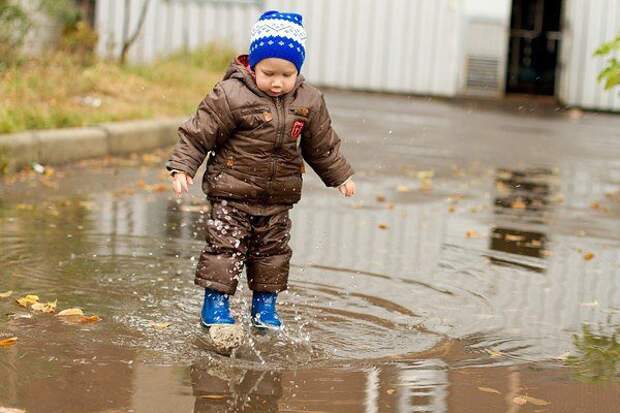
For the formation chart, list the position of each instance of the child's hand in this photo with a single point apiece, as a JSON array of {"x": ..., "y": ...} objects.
[
  {"x": 181, "y": 182},
  {"x": 348, "y": 188}
]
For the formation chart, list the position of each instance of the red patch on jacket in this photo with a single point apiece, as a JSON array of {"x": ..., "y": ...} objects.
[{"x": 298, "y": 126}]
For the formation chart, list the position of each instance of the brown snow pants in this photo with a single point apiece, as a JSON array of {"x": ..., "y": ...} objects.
[{"x": 235, "y": 238}]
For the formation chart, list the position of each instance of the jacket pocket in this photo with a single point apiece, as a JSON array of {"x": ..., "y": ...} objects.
[{"x": 254, "y": 118}]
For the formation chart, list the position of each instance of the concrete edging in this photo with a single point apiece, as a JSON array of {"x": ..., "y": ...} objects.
[{"x": 57, "y": 146}]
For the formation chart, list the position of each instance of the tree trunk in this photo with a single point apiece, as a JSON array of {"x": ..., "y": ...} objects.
[{"x": 129, "y": 40}]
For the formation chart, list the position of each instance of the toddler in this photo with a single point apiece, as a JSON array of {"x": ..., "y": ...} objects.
[{"x": 257, "y": 126}]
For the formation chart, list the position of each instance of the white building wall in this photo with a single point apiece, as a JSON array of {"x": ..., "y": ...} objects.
[
  {"x": 587, "y": 24},
  {"x": 174, "y": 25},
  {"x": 404, "y": 46}
]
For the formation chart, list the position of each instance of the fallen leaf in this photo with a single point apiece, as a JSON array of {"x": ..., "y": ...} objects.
[
  {"x": 518, "y": 204},
  {"x": 6, "y": 294},
  {"x": 390, "y": 391},
  {"x": 451, "y": 209},
  {"x": 472, "y": 233},
  {"x": 161, "y": 326},
  {"x": 425, "y": 174},
  {"x": 520, "y": 400},
  {"x": 6, "y": 342},
  {"x": 494, "y": 353},
  {"x": 426, "y": 184},
  {"x": 403, "y": 188},
  {"x": 390, "y": 205},
  {"x": 27, "y": 300},
  {"x": 90, "y": 319},
  {"x": 44, "y": 307},
  {"x": 488, "y": 390},
  {"x": 536, "y": 402},
  {"x": 588, "y": 256},
  {"x": 70, "y": 312},
  {"x": 383, "y": 226},
  {"x": 380, "y": 198},
  {"x": 595, "y": 205}
]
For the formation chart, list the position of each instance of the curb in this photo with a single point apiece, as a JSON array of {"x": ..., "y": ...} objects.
[{"x": 58, "y": 146}]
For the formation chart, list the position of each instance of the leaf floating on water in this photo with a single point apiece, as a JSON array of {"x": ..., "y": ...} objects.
[
  {"x": 70, "y": 312},
  {"x": 383, "y": 226},
  {"x": 588, "y": 256},
  {"x": 535, "y": 401},
  {"x": 44, "y": 307},
  {"x": 472, "y": 233},
  {"x": 28, "y": 300},
  {"x": 494, "y": 353},
  {"x": 161, "y": 326},
  {"x": 380, "y": 198},
  {"x": 403, "y": 188},
  {"x": 6, "y": 342},
  {"x": 209, "y": 396},
  {"x": 488, "y": 390},
  {"x": 425, "y": 174},
  {"x": 520, "y": 400},
  {"x": 6, "y": 294},
  {"x": 90, "y": 319}
]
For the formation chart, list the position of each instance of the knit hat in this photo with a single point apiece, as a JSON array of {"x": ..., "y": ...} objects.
[{"x": 278, "y": 35}]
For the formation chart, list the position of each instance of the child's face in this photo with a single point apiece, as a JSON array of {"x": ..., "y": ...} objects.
[{"x": 275, "y": 76}]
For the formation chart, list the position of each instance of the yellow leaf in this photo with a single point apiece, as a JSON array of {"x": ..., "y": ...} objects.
[
  {"x": 383, "y": 226},
  {"x": 488, "y": 390},
  {"x": 536, "y": 402},
  {"x": 90, "y": 319},
  {"x": 6, "y": 294},
  {"x": 451, "y": 209},
  {"x": 520, "y": 400},
  {"x": 8, "y": 341},
  {"x": 494, "y": 353},
  {"x": 425, "y": 174},
  {"x": 70, "y": 312},
  {"x": 44, "y": 308},
  {"x": 27, "y": 300},
  {"x": 403, "y": 188},
  {"x": 588, "y": 256},
  {"x": 161, "y": 326}
]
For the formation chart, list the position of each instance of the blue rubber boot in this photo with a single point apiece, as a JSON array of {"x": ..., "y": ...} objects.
[
  {"x": 264, "y": 312},
  {"x": 215, "y": 309}
]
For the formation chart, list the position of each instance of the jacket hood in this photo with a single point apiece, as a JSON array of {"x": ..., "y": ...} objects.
[{"x": 240, "y": 69}]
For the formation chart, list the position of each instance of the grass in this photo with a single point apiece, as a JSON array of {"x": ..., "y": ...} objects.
[{"x": 56, "y": 91}]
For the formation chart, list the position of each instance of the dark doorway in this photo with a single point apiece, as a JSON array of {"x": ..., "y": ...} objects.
[{"x": 534, "y": 46}]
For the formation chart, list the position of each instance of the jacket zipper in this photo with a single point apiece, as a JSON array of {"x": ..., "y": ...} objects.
[{"x": 279, "y": 133}]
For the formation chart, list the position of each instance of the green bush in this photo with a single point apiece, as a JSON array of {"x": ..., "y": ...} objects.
[{"x": 14, "y": 25}]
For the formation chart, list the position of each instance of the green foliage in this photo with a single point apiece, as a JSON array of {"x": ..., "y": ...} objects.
[
  {"x": 14, "y": 25},
  {"x": 65, "y": 12},
  {"x": 611, "y": 72},
  {"x": 598, "y": 358}
]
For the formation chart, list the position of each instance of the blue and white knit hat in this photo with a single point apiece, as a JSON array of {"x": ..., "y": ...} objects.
[{"x": 280, "y": 35}]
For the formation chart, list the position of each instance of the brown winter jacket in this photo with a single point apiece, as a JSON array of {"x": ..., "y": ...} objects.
[{"x": 258, "y": 142}]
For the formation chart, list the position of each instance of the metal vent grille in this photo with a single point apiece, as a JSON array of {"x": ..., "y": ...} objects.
[{"x": 483, "y": 73}]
